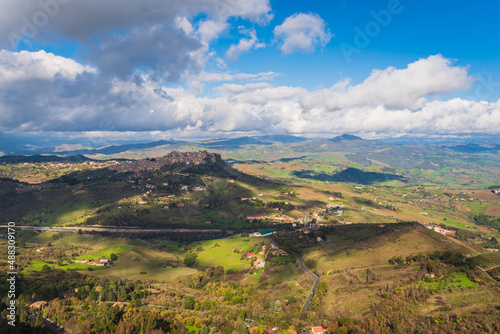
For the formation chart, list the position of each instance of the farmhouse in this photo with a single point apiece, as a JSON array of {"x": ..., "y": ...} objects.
[
  {"x": 264, "y": 233},
  {"x": 319, "y": 329},
  {"x": 304, "y": 230},
  {"x": 260, "y": 263},
  {"x": 38, "y": 304},
  {"x": 440, "y": 230},
  {"x": 255, "y": 217},
  {"x": 280, "y": 252},
  {"x": 101, "y": 264}
]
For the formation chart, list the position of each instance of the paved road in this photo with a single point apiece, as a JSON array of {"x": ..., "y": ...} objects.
[
  {"x": 53, "y": 327},
  {"x": 115, "y": 229},
  {"x": 316, "y": 281}
]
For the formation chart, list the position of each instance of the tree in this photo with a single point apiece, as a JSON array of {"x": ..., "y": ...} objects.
[
  {"x": 242, "y": 327},
  {"x": 396, "y": 259},
  {"x": 277, "y": 308},
  {"x": 322, "y": 288},
  {"x": 45, "y": 268},
  {"x": 345, "y": 321},
  {"x": 39, "y": 323},
  {"x": 113, "y": 257},
  {"x": 310, "y": 263},
  {"x": 370, "y": 275},
  {"x": 190, "y": 259},
  {"x": 111, "y": 296},
  {"x": 189, "y": 303},
  {"x": 218, "y": 271}
]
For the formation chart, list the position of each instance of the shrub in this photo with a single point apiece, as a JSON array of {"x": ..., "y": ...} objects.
[
  {"x": 311, "y": 263},
  {"x": 345, "y": 321},
  {"x": 190, "y": 259}
]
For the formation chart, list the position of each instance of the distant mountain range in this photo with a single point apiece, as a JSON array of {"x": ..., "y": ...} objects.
[
  {"x": 345, "y": 137},
  {"x": 42, "y": 158},
  {"x": 16, "y": 148},
  {"x": 474, "y": 148},
  {"x": 114, "y": 149},
  {"x": 347, "y": 143},
  {"x": 255, "y": 140}
]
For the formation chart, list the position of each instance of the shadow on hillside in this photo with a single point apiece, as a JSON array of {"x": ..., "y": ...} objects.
[
  {"x": 350, "y": 175},
  {"x": 290, "y": 159}
]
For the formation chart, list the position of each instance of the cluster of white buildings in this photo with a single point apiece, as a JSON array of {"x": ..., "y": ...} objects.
[
  {"x": 100, "y": 263},
  {"x": 441, "y": 230}
]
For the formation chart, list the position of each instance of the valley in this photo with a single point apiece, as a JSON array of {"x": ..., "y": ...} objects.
[{"x": 169, "y": 239}]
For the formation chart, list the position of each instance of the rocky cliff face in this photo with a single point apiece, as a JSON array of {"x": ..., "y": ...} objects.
[{"x": 173, "y": 158}]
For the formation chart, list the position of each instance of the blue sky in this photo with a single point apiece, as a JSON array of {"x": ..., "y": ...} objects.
[
  {"x": 157, "y": 69},
  {"x": 458, "y": 30}
]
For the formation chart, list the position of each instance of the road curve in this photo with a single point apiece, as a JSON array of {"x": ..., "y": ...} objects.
[
  {"x": 53, "y": 327},
  {"x": 316, "y": 281}
]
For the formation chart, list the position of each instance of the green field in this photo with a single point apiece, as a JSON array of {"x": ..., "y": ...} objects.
[
  {"x": 488, "y": 260},
  {"x": 223, "y": 255},
  {"x": 36, "y": 265},
  {"x": 477, "y": 208},
  {"x": 455, "y": 281},
  {"x": 134, "y": 256},
  {"x": 132, "y": 264}
]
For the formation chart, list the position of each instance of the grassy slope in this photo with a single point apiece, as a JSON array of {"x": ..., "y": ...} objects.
[
  {"x": 36, "y": 265},
  {"x": 132, "y": 264},
  {"x": 344, "y": 262},
  {"x": 134, "y": 256},
  {"x": 224, "y": 255},
  {"x": 488, "y": 260},
  {"x": 337, "y": 253}
]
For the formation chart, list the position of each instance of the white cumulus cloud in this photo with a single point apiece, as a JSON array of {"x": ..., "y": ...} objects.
[
  {"x": 395, "y": 88},
  {"x": 43, "y": 92},
  {"x": 302, "y": 32},
  {"x": 26, "y": 66},
  {"x": 244, "y": 45},
  {"x": 124, "y": 37}
]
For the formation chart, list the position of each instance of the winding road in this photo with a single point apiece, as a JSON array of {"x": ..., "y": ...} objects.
[{"x": 316, "y": 281}]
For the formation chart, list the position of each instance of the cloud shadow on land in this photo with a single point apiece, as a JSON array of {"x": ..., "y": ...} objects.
[{"x": 349, "y": 175}]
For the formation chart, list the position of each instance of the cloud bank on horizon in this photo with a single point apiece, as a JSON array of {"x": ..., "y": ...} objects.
[{"x": 172, "y": 68}]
